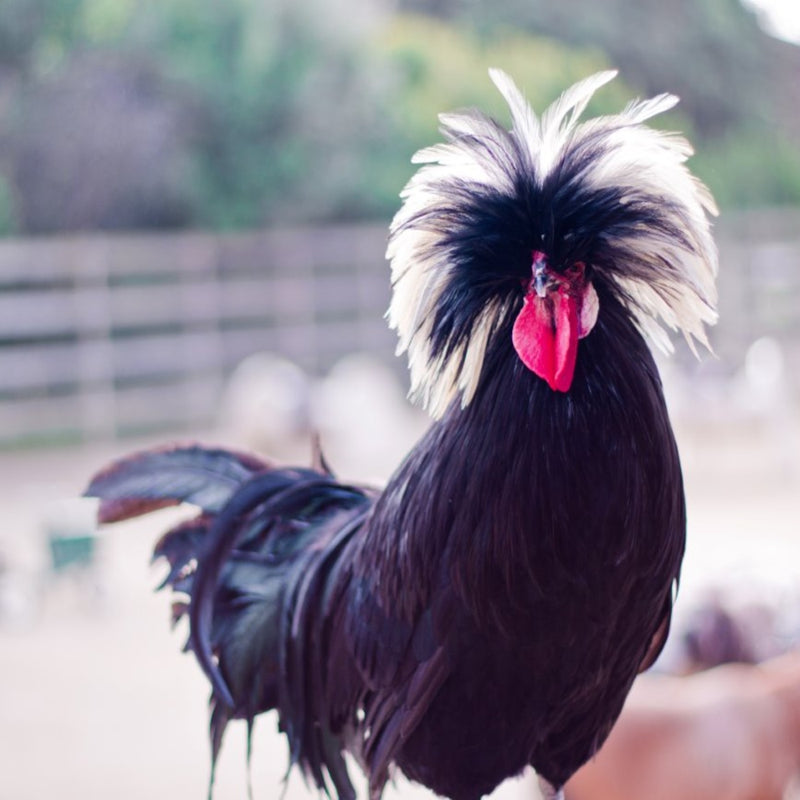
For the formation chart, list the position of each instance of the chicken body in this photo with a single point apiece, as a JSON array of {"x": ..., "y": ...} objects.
[
  {"x": 490, "y": 608},
  {"x": 538, "y": 583}
]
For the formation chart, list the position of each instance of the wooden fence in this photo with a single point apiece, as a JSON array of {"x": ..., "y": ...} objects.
[{"x": 104, "y": 335}]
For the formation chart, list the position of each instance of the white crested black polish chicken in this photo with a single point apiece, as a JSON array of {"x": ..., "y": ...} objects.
[{"x": 490, "y": 608}]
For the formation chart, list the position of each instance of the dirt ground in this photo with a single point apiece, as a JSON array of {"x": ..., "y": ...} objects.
[{"x": 97, "y": 703}]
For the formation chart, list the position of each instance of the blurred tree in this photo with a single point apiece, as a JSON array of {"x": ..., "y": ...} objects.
[
  {"x": 711, "y": 52},
  {"x": 234, "y": 113},
  {"x": 739, "y": 87},
  {"x": 99, "y": 144},
  {"x": 435, "y": 66},
  {"x": 123, "y": 114}
]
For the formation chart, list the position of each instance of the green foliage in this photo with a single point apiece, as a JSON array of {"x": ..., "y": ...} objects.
[
  {"x": 237, "y": 113},
  {"x": 8, "y": 213},
  {"x": 751, "y": 169},
  {"x": 435, "y": 66},
  {"x": 439, "y": 66}
]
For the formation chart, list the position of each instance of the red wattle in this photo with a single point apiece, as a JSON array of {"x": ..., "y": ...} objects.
[
  {"x": 545, "y": 336},
  {"x": 566, "y": 346}
]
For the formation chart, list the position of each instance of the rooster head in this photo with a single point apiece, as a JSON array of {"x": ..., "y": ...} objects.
[{"x": 512, "y": 232}]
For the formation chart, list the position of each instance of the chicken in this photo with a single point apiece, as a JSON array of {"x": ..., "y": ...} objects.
[{"x": 491, "y": 606}]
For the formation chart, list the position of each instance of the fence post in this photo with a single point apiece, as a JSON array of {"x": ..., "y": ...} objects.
[{"x": 91, "y": 298}]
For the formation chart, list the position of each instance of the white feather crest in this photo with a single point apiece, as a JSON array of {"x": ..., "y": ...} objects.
[{"x": 674, "y": 280}]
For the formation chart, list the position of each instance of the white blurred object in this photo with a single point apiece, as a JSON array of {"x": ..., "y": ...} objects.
[
  {"x": 366, "y": 423},
  {"x": 742, "y": 609},
  {"x": 349, "y": 20},
  {"x": 523, "y": 787},
  {"x": 763, "y": 392},
  {"x": 19, "y": 597},
  {"x": 763, "y": 377},
  {"x": 266, "y": 403},
  {"x": 756, "y": 402},
  {"x": 70, "y": 517},
  {"x": 761, "y": 386}
]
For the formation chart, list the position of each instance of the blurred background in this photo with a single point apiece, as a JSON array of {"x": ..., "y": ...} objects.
[{"x": 194, "y": 199}]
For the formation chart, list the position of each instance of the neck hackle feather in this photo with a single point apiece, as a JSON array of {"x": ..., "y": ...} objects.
[{"x": 615, "y": 185}]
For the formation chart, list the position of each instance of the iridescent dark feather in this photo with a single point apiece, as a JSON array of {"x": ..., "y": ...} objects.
[
  {"x": 245, "y": 563},
  {"x": 169, "y": 476}
]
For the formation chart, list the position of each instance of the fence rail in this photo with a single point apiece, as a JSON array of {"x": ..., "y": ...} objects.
[{"x": 101, "y": 335}]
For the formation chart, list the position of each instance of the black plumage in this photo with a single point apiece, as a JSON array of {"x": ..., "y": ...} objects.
[{"x": 490, "y": 608}]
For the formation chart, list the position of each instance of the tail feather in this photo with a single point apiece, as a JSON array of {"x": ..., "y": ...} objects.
[
  {"x": 314, "y": 746},
  {"x": 153, "y": 479},
  {"x": 273, "y": 495},
  {"x": 178, "y": 546},
  {"x": 260, "y": 567}
]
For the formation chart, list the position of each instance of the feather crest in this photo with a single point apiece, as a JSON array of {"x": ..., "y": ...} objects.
[{"x": 661, "y": 258}]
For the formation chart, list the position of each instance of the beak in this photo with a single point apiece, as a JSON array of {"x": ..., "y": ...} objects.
[{"x": 540, "y": 276}]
